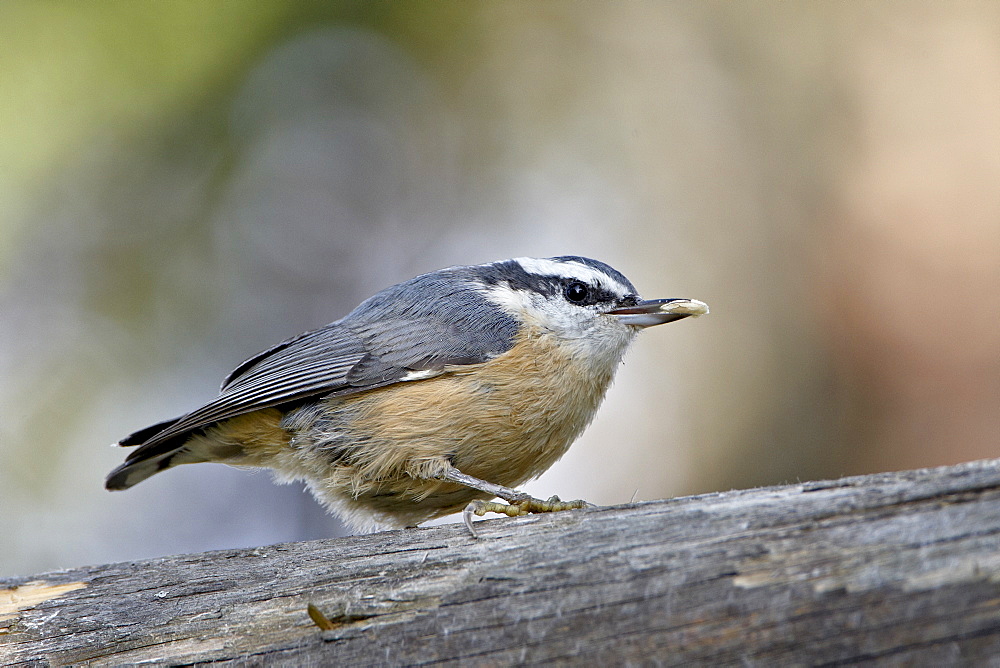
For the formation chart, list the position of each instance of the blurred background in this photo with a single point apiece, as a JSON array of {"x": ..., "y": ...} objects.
[{"x": 185, "y": 183}]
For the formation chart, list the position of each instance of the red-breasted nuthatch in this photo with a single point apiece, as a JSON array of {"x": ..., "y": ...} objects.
[{"x": 431, "y": 397}]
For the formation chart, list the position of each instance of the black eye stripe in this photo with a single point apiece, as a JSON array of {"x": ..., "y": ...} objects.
[
  {"x": 514, "y": 275},
  {"x": 580, "y": 293}
]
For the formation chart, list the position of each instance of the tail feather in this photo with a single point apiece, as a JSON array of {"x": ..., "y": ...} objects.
[
  {"x": 140, "y": 468},
  {"x": 149, "y": 458},
  {"x": 162, "y": 447},
  {"x": 143, "y": 435}
]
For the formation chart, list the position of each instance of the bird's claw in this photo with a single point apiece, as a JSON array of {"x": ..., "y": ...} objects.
[{"x": 521, "y": 505}]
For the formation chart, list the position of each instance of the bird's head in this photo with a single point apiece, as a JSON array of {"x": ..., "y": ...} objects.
[{"x": 587, "y": 304}]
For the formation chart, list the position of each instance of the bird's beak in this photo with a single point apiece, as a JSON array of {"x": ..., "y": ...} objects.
[{"x": 658, "y": 311}]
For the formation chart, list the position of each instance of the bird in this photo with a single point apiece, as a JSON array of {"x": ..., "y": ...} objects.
[{"x": 430, "y": 398}]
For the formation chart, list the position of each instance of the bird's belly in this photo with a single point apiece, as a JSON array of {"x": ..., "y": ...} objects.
[{"x": 504, "y": 421}]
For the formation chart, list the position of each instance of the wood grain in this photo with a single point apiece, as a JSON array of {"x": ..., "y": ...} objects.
[{"x": 894, "y": 569}]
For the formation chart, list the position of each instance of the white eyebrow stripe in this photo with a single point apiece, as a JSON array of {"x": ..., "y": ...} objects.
[{"x": 570, "y": 269}]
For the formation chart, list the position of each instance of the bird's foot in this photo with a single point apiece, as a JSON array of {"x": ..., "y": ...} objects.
[{"x": 519, "y": 505}]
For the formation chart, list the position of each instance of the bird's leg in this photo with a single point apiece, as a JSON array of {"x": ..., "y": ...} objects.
[{"x": 518, "y": 503}]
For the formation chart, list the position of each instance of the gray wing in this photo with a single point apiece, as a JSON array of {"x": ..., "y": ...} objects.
[
  {"x": 313, "y": 363},
  {"x": 427, "y": 323},
  {"x": 378, "y": 344}
]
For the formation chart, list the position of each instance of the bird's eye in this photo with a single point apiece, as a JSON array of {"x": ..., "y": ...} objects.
[{"x": 576, "y": 292}]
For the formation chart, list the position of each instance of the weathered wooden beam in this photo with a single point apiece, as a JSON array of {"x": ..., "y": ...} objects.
[{"x": 898, "y": 567}]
